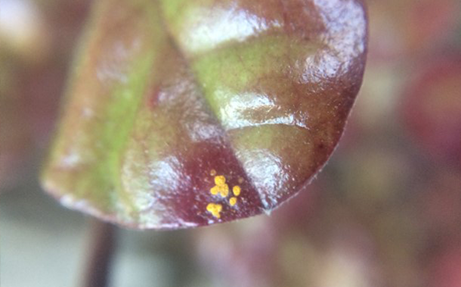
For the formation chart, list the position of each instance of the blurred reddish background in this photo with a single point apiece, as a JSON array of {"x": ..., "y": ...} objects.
[{"x": 386, "y": 210}]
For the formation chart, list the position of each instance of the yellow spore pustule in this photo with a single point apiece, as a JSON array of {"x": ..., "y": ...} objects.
[
  {"x": 220, "y": 180},
  {"x": 236, "y": 190},
  {"x": 221, "y": 187},
  {"x": 215, "y": 209},
  {"x": 233, "y": 201}
]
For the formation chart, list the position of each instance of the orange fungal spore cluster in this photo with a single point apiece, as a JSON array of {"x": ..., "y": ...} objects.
[{"x": 222, "y": 188}]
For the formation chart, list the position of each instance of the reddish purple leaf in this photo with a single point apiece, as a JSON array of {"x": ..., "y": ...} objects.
[{"x": 189, "y": 113}]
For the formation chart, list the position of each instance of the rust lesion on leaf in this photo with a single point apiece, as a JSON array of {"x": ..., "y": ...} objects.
[
  {"x": 233, "y": 201},
  {"x": 236, "y": 190},
  {"x": 215, "y": 209},
  {"x": 222, "y": 188}
]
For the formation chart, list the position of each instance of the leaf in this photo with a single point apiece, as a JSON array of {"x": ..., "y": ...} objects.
[{"x": 188, "y": 113}]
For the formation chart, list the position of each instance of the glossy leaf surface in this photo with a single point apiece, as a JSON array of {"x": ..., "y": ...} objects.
[{"x": 188, "y": 113}]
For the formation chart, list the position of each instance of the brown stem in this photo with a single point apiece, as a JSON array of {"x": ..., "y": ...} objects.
[{"x": 101, "y": 250}]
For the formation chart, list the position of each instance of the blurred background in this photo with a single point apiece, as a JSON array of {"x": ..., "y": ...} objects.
[{"x": 386, "y": 210}]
